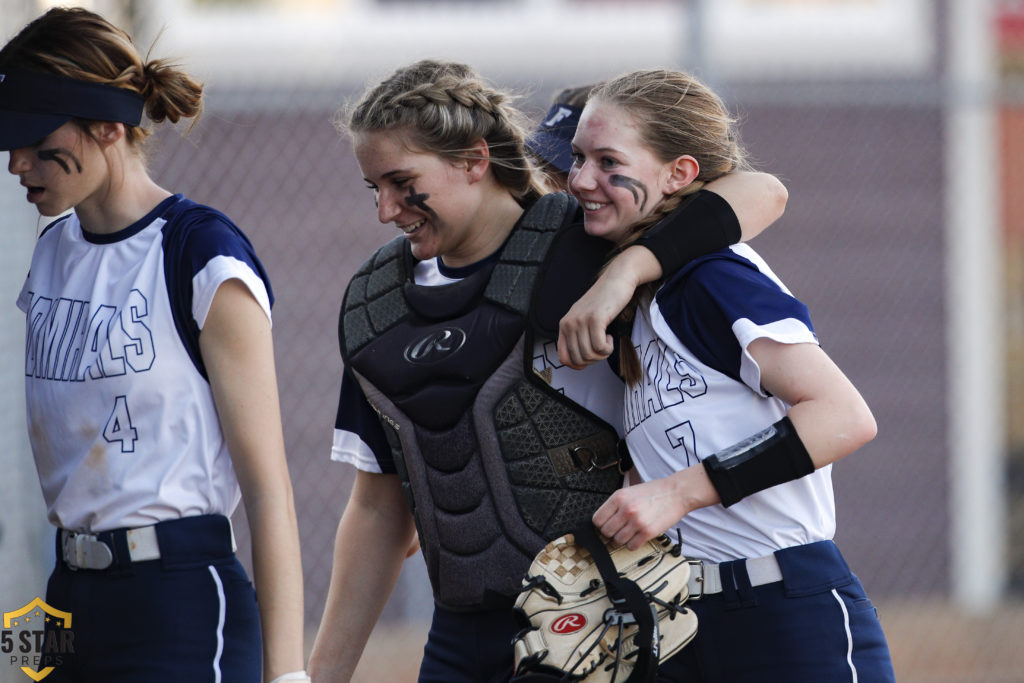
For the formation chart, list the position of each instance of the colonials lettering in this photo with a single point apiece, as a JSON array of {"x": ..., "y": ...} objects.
[
  {"x": 69, "y": 340},
  {"x": 668, "y": 380}
]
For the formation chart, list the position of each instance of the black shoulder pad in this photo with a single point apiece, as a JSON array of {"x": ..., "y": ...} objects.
[
  {"x": 573, "y": 264},
  {"x": 373, "y": 299}
]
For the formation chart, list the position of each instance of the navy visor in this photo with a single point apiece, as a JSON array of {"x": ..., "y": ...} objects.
[
  {"x": 552, "y": 139},
  {"x": 33, "y": 105}
]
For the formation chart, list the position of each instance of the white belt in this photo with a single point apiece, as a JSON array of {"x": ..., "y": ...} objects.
[
  {"x": 87, "y": 551},
  {"x": 706, "y": 579}
]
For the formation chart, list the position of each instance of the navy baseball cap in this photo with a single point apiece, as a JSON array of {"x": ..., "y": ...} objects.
[
  {"x": 552, "y": 140},
  {"x": 34, "y": 104}
]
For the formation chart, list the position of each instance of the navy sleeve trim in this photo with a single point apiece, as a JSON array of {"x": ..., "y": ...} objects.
[
  {"x": 195, "y": 234},
  {"x": 356, "y": 415},
  {"x": 701, "y": 303}
]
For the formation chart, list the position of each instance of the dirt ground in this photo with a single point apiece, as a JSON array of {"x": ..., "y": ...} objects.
[
  {"x": 930, "y": 643},
  {"x": 935, "y": 643}
]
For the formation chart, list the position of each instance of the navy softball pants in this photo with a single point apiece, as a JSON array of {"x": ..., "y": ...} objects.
[
  {"x": 469, "y": 647},
  {"x": 189, "y": 616},
  {"x": 815, "y": 626}
]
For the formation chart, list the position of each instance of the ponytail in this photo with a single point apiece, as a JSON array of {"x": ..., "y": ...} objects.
[{"x": 78, "y": 44}]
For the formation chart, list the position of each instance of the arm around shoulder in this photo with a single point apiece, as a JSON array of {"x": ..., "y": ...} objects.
[
  {"x": 758, "y": 199},
  {"x": 733, "y": 208},
  {"x": 730, "y": 209},
  {"x": 582, "y": 333}
]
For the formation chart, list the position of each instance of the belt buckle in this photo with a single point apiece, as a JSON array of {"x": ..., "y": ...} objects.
[
  {"x": 699, "y": 579},
  {"x": 85, "y": 551}
]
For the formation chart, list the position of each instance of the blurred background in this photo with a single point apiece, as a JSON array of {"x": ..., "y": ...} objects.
[{"x": 898, "y": 127}]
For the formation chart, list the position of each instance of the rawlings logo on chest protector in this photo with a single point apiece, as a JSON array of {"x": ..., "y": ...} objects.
[{"x": 435, "y": 346}]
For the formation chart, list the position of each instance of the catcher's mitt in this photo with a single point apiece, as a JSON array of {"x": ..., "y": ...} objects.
[{"x": 599, "y": 612}]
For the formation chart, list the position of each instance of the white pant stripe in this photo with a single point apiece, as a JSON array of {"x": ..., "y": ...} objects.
[
  {"x": 221, "y": 608},
  {"x": 849, "y": 635}
]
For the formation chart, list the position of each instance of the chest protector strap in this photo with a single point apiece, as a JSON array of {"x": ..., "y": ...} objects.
[{"x": 494, "y": 462}]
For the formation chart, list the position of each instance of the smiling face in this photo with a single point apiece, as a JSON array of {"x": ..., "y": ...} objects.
[
  {"x": 62, "y": 171},
  {"x": 616, "y": 177},
  {"x": 428, "y": 198}
]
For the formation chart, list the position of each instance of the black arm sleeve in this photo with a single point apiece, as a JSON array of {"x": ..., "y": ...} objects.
[
  {"x": 700, "y": 225},
  {"x": 768, "y": 458}
]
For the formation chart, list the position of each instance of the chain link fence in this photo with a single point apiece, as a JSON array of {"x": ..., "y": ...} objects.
[{"x": 862, "y": 243}]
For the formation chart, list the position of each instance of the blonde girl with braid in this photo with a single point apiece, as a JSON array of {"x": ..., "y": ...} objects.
[
  {"x": 733, "y": 412},
  {"x": 454, "y": 408},
  {"x": 150, "y": 384}
]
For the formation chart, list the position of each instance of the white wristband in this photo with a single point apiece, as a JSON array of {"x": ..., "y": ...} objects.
[{"x": 293, "y": 676}]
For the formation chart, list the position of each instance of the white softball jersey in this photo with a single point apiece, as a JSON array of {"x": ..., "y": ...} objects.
[
  {"x": 701, "y": 392},
  {"x": 359, "y": 441},
  {"x": 121, "y": 416}
]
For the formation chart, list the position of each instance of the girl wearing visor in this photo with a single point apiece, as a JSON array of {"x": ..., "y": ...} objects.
[
  {"x": 150, "y": 382},
  {"x": 551, "y": 141}
]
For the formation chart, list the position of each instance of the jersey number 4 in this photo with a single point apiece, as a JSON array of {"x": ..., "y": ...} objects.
[{"x": 119, "y": 426}]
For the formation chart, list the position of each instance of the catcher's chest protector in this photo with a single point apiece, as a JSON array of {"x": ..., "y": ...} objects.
[{"x": 493, "y": 461}]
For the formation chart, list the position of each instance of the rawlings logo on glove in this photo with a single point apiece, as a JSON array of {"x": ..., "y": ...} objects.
[{"x": 601, "y": 613}]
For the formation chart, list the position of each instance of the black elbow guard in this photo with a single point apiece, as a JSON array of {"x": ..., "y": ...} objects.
[
  {"x": 768, "y": 458},
  {"x": 700, "y": 225}
]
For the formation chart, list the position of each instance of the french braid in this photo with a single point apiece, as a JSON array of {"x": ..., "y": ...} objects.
[{"x": 444, "y": 108}]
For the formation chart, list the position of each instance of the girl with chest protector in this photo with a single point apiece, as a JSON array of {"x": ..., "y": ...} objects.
[{"x": 440, "y": 348}]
